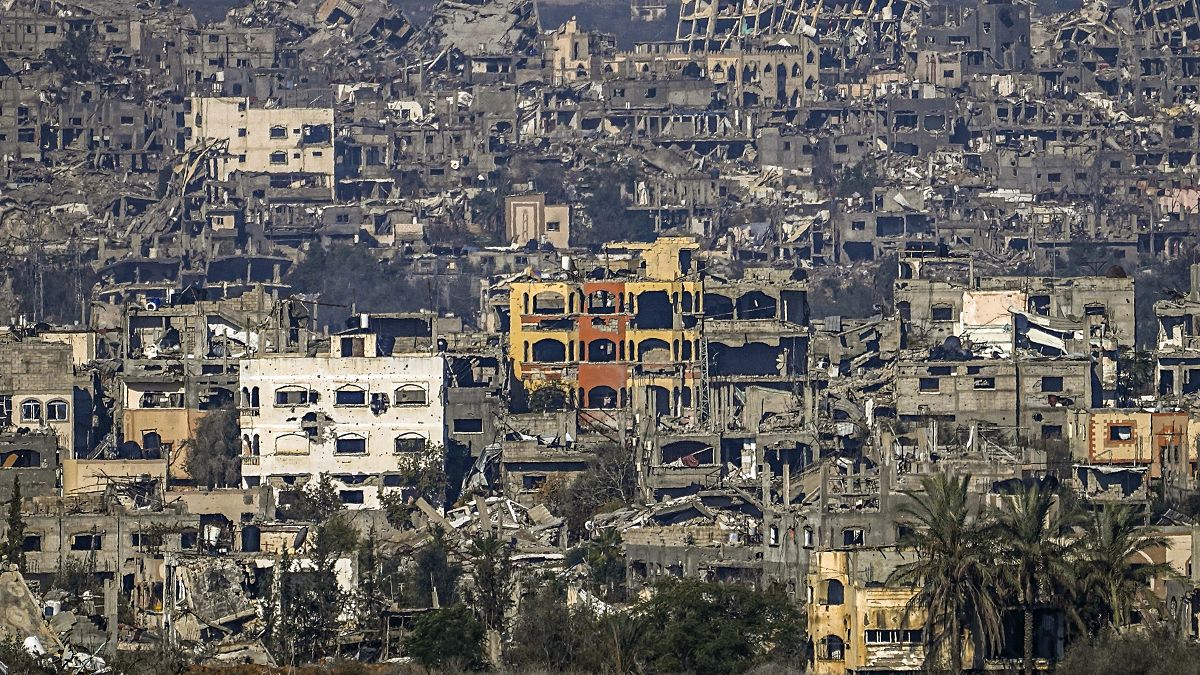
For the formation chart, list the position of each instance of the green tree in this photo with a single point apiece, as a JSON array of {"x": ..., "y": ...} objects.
[
  {"x": 345, "y": 276},
  {"x": 304, "y": 604},
  {"x": 603, "y": 204},
  {"x": 492, "y": 587},
  {"x": 487, "y": 211},
  {"x": 859, "y": 179},
  {"x": 14, "y": 538},
  {"x": 609, "y": 483},
  {"x": 620, "y": 645},
  {"x": 1035, "y": 563},
  {"x": 372, "y": 598},
  {"x": 606, "y": 563},
  {"x": 1154, "y": 652},
  {"x": 703, "y": 627},
  {"x": 13, "y": 655},
  {"x": 1111, "y": 576},
  {"x": 450, "y": 637},
  {"x": 954, "y": 572},
  {"x": 425, "y": 472},
  {"x": 551, "y": 637},
  {"x": 214, "y": 458},
  {"x": 314, "y": 502},
  {"x": 433, "y": 572},
  {"x": 1135, "y": 375}
]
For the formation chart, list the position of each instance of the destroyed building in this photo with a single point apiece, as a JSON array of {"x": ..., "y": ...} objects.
[{"x": 768, "y": 269}]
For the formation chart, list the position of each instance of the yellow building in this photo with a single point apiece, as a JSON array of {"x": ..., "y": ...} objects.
[
  {"x": 612, "y": 341},
  {"x": 857, "y": 622},
  {"x": 1162, "y": 442}
]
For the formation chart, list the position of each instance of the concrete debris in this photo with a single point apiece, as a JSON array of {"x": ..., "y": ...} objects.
[{"x": 709, "y": 306}]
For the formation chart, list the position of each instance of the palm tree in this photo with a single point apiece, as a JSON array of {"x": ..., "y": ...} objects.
[
  {"x": 1034, "y": 560},
  {"x": 1109, "y": 571},
  {"x": 954, "y": 569}
]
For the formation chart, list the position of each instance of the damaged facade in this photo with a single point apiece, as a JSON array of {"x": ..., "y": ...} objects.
[{"x": 783, "y": 265}]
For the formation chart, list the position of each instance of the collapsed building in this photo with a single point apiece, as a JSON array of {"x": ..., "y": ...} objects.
[{"x": 644, "y": 230}]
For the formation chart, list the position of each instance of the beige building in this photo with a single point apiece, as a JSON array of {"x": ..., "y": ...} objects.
[
  {"x": 529, "y": 218},
  {"x": 857, "y": 622},
  {"x": 264, "y": 140},
  {"x": 39, "y": 389}
]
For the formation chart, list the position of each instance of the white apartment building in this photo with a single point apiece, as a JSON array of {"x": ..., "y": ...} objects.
[
  {"x": 355, "y": 417},
  {"x": 264, "y": 140}
]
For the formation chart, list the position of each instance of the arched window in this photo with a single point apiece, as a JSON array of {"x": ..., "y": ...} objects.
[
  {"x": 602, "y": 397},
  {"x": 653, "y": 350},
  {"x": 549, "y": 302},
  {"x": 291, "y": 395},
  {"x": 831, "y": 648},
  {"x": 57, "y": 411},
  {"x": 290, "y": 444},
  {"x": 601, "y": 351},
  {"x": 835, "y": 592},
  {"x": 410, "y": 443},
  {"x": 351, "y": 444},
  {"x": 549, "y": 351},
  {"x": 278, "y": 131},
  {"x": 411, "y": 394},
  {"x": 350, "y": 395},
  {"x": 31, "y": 410},
  {"x": 602, "y": 302}
]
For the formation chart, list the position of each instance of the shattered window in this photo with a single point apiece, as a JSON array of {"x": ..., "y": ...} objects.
[
  {"x": 287, "y": 396},
  {"x": 411, "y": 394},
  {"x": 31, "y": 410},
  {"x": 279, "y": 157},
  {"x": 930, "y": 384},
  {"x": 853, "y": 536},
  {"x": 410, "y": 443},
  {"x": 984, "y": 383},
  {"x": 893, "y": 637},
  {"x": 1120, "y": 432},
  {"x": 1051, "y": 383},
  {"x": 57, "y": 411},
  {"x": 351, "y": 496},
  {"x": 941, "y": 313},
  {"x": 88, "y": 541}
]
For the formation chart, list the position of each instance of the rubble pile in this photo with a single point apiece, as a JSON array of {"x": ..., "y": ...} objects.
[{"x": 503, "y": 298}]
